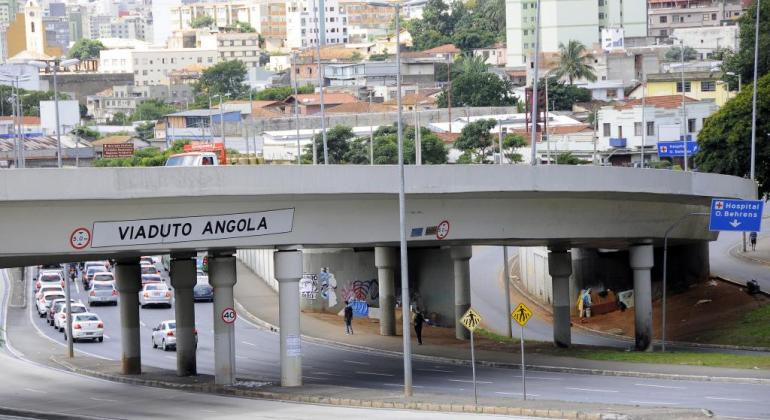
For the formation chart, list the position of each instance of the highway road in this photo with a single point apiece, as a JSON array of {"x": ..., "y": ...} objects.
[
  {"x": 257, "y": 358},
  {"x": 725, "y": 265}
]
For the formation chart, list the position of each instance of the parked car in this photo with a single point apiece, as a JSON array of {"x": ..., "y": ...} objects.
[
  {"x": 164, "y": 335},
  {"x": 103, "y": 293},
  {"x": 60, "y": 319},
  {"x": 45, "y": 301},
  {"x": 90, "y": 272},
  {"x": 87, "y": 326},
  {"x": 49, "y": 278},
  {"x": 151, "y": 278},
  {"x": 48, "y": 288},
  {"x": 155, "y": 294},
  {"x": 56, "y": 304}
]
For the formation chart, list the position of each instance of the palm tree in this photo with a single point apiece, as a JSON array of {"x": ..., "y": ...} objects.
[{"x": 574, "y": 62}]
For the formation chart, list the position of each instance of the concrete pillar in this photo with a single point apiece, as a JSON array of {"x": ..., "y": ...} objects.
[
  {"x": 461, "y": 256},
  {"x": 386, "y": 261},
  {"x": 128, "y": 279},
  {"x": 222, "y": 277},
  {"x": 560, "y": 269},
  {"x": 183, "y": 279},
  {"x": 288, "y": 272},
  {"x": 641, "y": 261}
]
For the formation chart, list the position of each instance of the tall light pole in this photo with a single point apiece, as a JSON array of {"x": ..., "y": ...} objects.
[
  {"x": 54, "y": 65},
  {"x": 533, "y": 139},
  {"x": 296, "y": 105},
  {"x": 371, "y": 130},
  {"x": 684, "y": 110},
  {"x": 18, "y": 112},
  {"x": 754, "y": 94},
  {"x": 320, "y": 26},
  {"x": 644, "y": 115}
]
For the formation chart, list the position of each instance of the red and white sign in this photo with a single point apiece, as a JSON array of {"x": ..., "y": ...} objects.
[
  {"x": 229, "y": 315},
  {"x": 442, "y": 230},
  {"x": 80, "y": 238}
]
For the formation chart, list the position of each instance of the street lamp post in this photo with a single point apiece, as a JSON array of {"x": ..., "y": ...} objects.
[
  {"x": 754, "y": 94},
  {"x": 18, "y": 112},
  {"x": 533, "y": 139},
  {"x": 320, "y": 26},
  {"x": 684, "y": 110},
  {"x": 644, "y": 115},
  {"x": 296, "y": 105}
]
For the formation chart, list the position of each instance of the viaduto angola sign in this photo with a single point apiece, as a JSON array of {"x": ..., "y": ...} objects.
[{"x": 188, "y": 229}]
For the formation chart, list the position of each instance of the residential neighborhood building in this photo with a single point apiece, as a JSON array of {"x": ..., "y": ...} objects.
[
  {"x": 494, "y": 55},
  {"x": 373, "y": 73},
  {"x": 665, "y": 16},
  {"x": 366, "y": 22},
  {"x": 310, "y": 103},
  {"x": 697, "y": 85},
  {"x": 124, "y": 99},
  {"x": 153, "y": 66},
  {"x": 229, "y": 45},
  {"x": 225, "y": 13},
  {"x": 302, "y": 23},
  {"x": 708, "y": 40}
]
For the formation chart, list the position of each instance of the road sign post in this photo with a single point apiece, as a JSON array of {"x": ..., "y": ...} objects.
[
  {"x": 471, "y": 321},
  {"x": 522, "y": 315}
]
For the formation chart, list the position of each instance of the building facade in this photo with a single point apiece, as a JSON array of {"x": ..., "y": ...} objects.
[
  {"x": 302, "y": 27},
  {"x": 697, "y": 85},
  {"x": 124, "y": 99},
  {"x": 667, "y": 15},
  {"x": 153, "y": 66}
]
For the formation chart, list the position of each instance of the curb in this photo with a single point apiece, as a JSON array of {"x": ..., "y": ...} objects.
[
  {"x": 556, "y": 369},
  {"x": 234, "y": 391},
  {"x": 7, "y": 411}
]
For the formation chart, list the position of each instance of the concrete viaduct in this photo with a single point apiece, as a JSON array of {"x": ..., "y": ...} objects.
[{"x": 65, "y": 215}]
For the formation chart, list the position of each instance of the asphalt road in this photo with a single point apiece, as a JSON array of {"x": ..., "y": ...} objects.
[
  {"x": 257, "y": 358},
  {"x": 725, "y": 265}
]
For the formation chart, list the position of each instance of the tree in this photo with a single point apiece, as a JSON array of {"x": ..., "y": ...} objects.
[
  {"x": 86, "y": 133},
  {"x": 146, "y": 131},
  {"x": 478, "y": 89},
  {"x": 242, "y": 27},
  {"x": 511, "y": 142},
  {"x": 281, "y": 93},
  {"x": 202, "y": 21},
  {"x": 477, "y": 140},
  {"x": 725, "y": 141},
  {"x": 30, "y": 100},
  {"x": 152, "y": 109},
  {"x": 562, "y": 96},
  {"x": 467, "y": 26},
  {"x": 574, "y": 62},
  {"x": 225, "y": 78},
  {"x": 119, "y": 119},
  {"x": 85, "y": 49},
  {"x": 336, "y": 141},
  {"x": 675, "y": 54},
  {"x": 742, "y": 62}
]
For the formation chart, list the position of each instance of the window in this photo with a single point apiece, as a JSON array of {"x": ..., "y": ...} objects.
[
  {"x": 687, "y": 86},
  {"x": 601, "y": 3},
  {"x": 606, "y": 129},
  {"x": 637, "y": 129},
  {"x": 650, "y": 128},
  {"x": 713, "y": 16},
  {"x": 664, "y": 19},
  {"x": 691, "y": 125},
  {"x": 601, "y": 15},
  {"x": 708, "y": 86}
]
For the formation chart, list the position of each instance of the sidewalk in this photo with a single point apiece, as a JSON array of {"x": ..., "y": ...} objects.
[
  {"x": 258, "y": 300},
  {"x": 760, "y": 255}
]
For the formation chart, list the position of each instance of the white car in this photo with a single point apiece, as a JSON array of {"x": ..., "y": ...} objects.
[
  {"x": 103, "y": 277},
  {"x": 60, "y": 318},
  {"x": 164, "y": 335},
  {"x": 103, "y": 293},
  {"x": 48, "y": 288},
  {"x": 45, "y": 302},
  {"x": 49, "y": 278},
  {"x": 87, "y": 326},
  {"x": 155, "y": 294}
]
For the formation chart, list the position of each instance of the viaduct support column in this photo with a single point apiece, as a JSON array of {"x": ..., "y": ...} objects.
[
  {"x": 222, "y": 277},
  {"x": 183, "y": 279},
  {"x": 386, "y": 261},
  {"x": 641, "y": 261},
  {"x": 288, "y": 272},
  {"x": 128, "y": 279},
  {"x": 461, "y": 256},
  {"x": 560, "y": 268}
]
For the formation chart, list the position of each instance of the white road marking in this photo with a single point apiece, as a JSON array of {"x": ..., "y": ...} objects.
[
  {"x": 34, "y": 390},
  {"x": 542, "y": 378},
  {"x": 593, "y": 390},
  {"x": 249, "y": 344},
  {"x": 728, "y": 399},
  {"x": 142, "y": 323},
  {"x": 374, "y": 373},
  {"x": 240, "y": 357},
  {"x": 326, "y": 374},
  {"x": 313, "y": 377},
  {"x": 653, "y": 402},
  {"x": 435, "y": 370},
  {"x": 107, "y": 337},
  {"x": 356, "y": 363},
  {"x": 469, "y": 382},
  {"x": 401, "y": 385},
  {"x": 518, "y": 394},
  {"x": 170, "y": 357},
  {"x": 661, "y": 386},
  {"x": 103, "y": 399}
]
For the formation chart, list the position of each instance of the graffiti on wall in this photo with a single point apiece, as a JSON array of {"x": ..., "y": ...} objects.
[
  {"x": 328, "y": 286},
  {"x": 362, "y": 290},
  {"x": 308, "y": 286}
]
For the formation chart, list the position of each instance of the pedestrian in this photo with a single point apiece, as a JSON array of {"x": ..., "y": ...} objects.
[
  {"x": 753, "y": 240},
  {"x": 348, "y": 318},
  {"x": 587, "y": 303},
  {"x": 419, "y": 319}
]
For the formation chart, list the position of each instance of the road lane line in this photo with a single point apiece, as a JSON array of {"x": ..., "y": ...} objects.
[
  {"x": 34, "y": 390},
  {"x": 326, "y": 374},
  {"x": 661, "y": 386},
  {"x": 469, "y": 382},
  {"x": 728, "y": 399},
  {"x": 401, "y": 385},
  {"x": 653, "y": 402},
  {"x": 374, "y": 373},
  {"x": 249, "y": 344},
  {"x": 356, "y": 363},
  {"x": 313, "y": 377},
  {"x": 594, "y": 390},
  {"x": 103, "y": 399},
  {"x": 142, "y": 323},
  {"x": 435, "y": 370},
  {"x": 107, "y": 337},
  {"x": 170, "y": 357}
]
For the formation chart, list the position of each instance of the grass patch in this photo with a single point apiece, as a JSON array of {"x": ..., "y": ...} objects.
[
  {"x": 752, "y": 330},
  {"x": 481, "y": 332},
  {"x": 738, "y": 361}
]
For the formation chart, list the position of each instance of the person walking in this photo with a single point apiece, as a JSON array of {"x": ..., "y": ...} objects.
[
  {"x": 753, "y": 240},
  {"x": 419, "y": 319},
  {"x": 348, "y": 318}
]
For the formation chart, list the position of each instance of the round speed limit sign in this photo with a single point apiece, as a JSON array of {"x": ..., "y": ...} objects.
[
  {"x": 80, "y": 238},
  {"x": 228, "y": 315},
  {"x": 442, "y": 230}
]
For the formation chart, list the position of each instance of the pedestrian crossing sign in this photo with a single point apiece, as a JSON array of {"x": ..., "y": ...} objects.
[
  {"x": 521, "y": 314},
  {"x": 471, "y": 320}
]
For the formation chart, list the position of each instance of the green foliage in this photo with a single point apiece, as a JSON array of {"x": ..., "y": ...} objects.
[
  {"x": 119, "y": 119},
  {"x": 202, "y": 21},
  {"x": 477, "y": 140},
  {"x": 146, "y": 131},
  {"x": 337, "y": 141},
  {"x": 511, "y": 142},
  {"x": 575, "y": 62},
  {"x": 742, "y": 62},
  {"x": 567, "y": 158},
  {"x": 467, "y": 26},
  {"x": 242, "y": 27},
  {"x": 86, "y": 133},
  {"x": 562, "y": 96},
  {"x": 472, "y": 85},
  {"x": 725, "y": 141},
  {"x": 30, "y": 100},
  {"x": 675, "y": 54},
  {"x": 225, "y": 78},
  {"x": 280, "y": 93},
  {"x": 85, "y": 49},
  {"x": 149, "y": 156},
  {"x": 152, "y": 109}
]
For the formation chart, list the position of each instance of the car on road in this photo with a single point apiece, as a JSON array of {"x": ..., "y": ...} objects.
[
  {"x": 87, "y": 326},
  {"x": 155, "y": 294},
  {"x": 150, "y": 269},
  {"x": 103, "y": 277},
  {"x": 90, "y": 272},
  {"x": 203, "y": 292},
  {"x": 55, "y": 305},
  {"x": 151, "y": 278},
  {"x": 103, "y": 293},
  {"x": 164, "y": 335},
  {"x": 45, "y": 301},
  {"x": 49, "y": 278},
  {"x": 60, "y": 319},
  {"x": 48, "y": 288}
]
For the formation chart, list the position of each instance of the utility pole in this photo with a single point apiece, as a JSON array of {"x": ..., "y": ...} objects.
[
  {"x": 533, "y": 138},
  {"x": 684, "y": 110}
]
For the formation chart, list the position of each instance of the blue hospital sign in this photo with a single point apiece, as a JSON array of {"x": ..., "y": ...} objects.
[{"x": 736, "y": 215}]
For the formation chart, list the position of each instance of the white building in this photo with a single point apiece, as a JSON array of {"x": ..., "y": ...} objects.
[
  {"x": 69, "y": 116},
  {"x": 229, "y": 45},
  {"x": 301, "y": 23},
  {"x": 562, "y": 21},
  {"x": 152, "y": 66},
  {"x": 708, "y": 39},
  {"x": 224, "y": 13}
]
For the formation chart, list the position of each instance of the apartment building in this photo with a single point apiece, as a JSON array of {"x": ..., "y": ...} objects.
[
  {"x": 667, "y": 15},
  {"x": 124, "y": 99},
  {"x": 152, "y": 66},
  {"x": 229, "y": 45},
  {"x": 302, "y": 23},
  {"x": 366, "y": 22},
  {"x": 224, "y": 13}
]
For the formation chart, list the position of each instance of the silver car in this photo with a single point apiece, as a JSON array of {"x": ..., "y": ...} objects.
[
  {"x": 164, "y": 335},
  {"x": 103, "y": 293},
  {"x": 87, "y": 326},
  {"x": 156, "y": 294}
]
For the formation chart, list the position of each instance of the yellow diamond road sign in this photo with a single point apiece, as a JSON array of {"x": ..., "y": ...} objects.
[
  {"x": 471, "y": 319},
  {"x": 521, "y": 314}
]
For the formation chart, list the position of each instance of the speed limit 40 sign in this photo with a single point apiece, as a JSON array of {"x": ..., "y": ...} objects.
[{"x": 228, "y": 315}]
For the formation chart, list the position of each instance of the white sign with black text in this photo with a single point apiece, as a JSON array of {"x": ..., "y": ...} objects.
[{"x": 188, "y": 229}]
